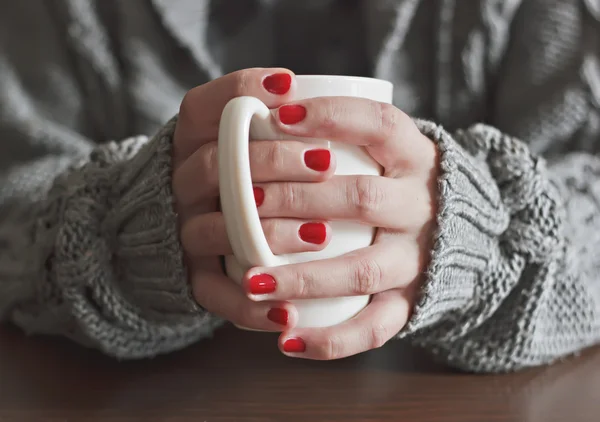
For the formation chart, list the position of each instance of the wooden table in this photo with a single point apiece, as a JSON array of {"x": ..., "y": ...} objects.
[{"x": 240, "y": 376}]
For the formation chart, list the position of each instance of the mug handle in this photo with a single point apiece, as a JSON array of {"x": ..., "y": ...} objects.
[{"x": 242, "y": 222}]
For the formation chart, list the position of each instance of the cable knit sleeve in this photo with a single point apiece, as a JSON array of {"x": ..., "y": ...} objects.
[
  {"x": 514, "y": 278},
  {"x": 98, "y": 258},
  {"x": 88, "y": 236}
]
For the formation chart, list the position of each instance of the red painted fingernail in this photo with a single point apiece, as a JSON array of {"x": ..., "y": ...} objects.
[
  {"x": 261, "y": 284},
  {"x": 278, "y": 316},
  {"x": 317, "y": 159},
  {"x": 278, "y": 83},
  {"x": 294, "y": 345},
  {"x": 313, "y": 233},
  {"x": 291, "y": 114},
  {"x": 259, "y": 196}
]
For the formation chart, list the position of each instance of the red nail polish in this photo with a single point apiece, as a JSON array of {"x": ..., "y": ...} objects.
[
  {"x": 261, "y": 284},
  {"x": 278, "y": 316},
  {"x": 294, "y": 345},
  {"x": 278, "y": 83},
  {"x": 313, "y": 233},
  {"x": 291, "y": 114},
  {"x": 317, "y": 159},
  {"x": 259, "y": 196}
]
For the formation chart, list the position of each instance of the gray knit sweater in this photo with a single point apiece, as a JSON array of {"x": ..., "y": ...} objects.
[{"x": 508, "y": 89}]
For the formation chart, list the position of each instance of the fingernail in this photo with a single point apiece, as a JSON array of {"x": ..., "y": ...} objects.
[
  {"x": 294, "y": 345},
  {"x": 291, "y": 114},
  {"x": 313, "y": 233},
  {"x": 259, "y": 196},
  {"x": 278, "y": 316},
  {"x": 317, "y": 159},
  {"x": 278, "y": 83},
  {"x": 261, "y": 284}
]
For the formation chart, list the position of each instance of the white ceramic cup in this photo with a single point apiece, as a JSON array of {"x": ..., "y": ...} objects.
[{"x": 246, "y": 118}]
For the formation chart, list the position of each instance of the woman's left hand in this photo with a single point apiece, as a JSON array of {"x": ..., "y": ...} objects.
[{"x": 401, "y": 204}]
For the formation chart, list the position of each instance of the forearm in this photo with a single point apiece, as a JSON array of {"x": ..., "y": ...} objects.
[
  {"x": 512, "y": 282},
  {"x": 98, "y": 257},
  {"x": 89, "y": 243}
]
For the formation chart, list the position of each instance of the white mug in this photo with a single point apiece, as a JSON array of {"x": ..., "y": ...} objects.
[{"x": 246, "y": 118}]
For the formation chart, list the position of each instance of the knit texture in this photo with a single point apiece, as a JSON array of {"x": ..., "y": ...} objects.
[
  {"x": 99, "y": 258},
  {"x": 509, "y": 91},
  {"x": 505, "y": 286}
]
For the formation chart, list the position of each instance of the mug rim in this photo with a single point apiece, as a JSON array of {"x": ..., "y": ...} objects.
[{"x": 362, "y": 79}]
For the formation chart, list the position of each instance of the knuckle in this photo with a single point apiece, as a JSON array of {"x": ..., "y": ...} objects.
[
  {"x": 211, "y": 230},
  {"x": 378, "y": 336},
  {"x": 330, "y": 113},
  {"x": 291, "y": 196},
  {"x": 388, "y": 118},
  {"x": 241, "y": 82},
  {"x": 423, "y": 205},
  {"x": 177, "y": 185},
  {"x": 208, "y": 162},
  {"x": 276, "y": 156},
  {"x": 187, "y": 237},
  {"x": 418, "y": 261},
  {"x": 304, "y": 284},
  {"x": 203, "y": 296},
  {"x": 332, "y": 348},
  {"x": 186, "y": 106},
  {"x": 368, "y": 196},
  {"x": 367, "y": 277}
]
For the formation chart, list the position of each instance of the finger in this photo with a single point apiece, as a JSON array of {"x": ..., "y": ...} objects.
[
  {"x": 400, "y": 204},
  {"x": 270, "y": 161},
  {"x": 219, "y": 295},
  {"x": 389, "y": 135},
  {"x": 205, "y": 235},
  {"x": 381, "y": 320},
  {"x": 377, "y": 268},
  {"x": 278, "y": 161},
  {"x": 201, "y": 108}
]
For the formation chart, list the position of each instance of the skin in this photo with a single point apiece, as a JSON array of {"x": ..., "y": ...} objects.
[{"x": 401, "y": 204}]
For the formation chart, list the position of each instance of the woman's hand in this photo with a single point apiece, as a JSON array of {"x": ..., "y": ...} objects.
[
  {"x": 402, "y": 204},
  {"x": 196, "y": 191}
]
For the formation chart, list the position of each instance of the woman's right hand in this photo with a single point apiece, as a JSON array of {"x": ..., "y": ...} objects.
[{"x": 196, "y": 191}]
